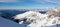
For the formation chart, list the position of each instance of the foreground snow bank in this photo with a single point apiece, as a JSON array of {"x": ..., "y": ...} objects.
[{"x": 8, "y": 23}]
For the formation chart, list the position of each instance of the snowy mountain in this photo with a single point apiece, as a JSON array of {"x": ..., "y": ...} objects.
[{"x": 36, "y": 19}]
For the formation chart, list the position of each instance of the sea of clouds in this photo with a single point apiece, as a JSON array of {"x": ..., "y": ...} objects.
[{"x": 36, "y": 19}]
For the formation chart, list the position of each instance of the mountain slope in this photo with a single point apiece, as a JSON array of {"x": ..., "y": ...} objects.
[{"x": 8, "y": 23}]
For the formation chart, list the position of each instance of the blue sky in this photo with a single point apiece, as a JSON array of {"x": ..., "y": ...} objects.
[{"x": 28, "y": 4}]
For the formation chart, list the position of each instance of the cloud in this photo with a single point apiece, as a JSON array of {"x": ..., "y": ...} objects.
[
  {"x": 48, "y": 1},
  {"x": 38, "y": 1},
  {"x": 54, "y": 1}
]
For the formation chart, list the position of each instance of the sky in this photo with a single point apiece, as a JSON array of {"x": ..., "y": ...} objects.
[{"x": 28, "y": 4}]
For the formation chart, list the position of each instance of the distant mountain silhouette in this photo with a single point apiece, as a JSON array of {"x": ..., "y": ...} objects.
[{"x": 8, "y": 14}]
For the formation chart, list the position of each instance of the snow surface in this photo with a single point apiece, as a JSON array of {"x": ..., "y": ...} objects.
[
  {"x": 8, "y": 23},
  {"x": 36, "y": 19}
]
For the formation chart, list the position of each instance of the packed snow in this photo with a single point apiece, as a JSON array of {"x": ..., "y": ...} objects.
[
  {"x": 8, "y": 23},
  {"x": 36, "y": 19}
]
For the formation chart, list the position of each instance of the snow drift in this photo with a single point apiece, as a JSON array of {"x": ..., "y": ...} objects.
[{"x": 36, "y": 19}]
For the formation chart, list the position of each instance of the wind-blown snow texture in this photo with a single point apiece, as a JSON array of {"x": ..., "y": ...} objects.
[{"x": 36, "y": 19}]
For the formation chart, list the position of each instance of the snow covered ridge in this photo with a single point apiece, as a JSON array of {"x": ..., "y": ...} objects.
[{"x": 36, "y": 19}]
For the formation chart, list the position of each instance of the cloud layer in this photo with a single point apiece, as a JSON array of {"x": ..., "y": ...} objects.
[
  {"x": 38, "y": 1},
  {"x": 29, "y": 3},
  {"x": 47, "y": 1}
]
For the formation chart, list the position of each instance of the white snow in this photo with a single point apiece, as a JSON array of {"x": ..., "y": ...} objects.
[
  {"x": 8, "y": 23},
  {"x": 21, "y": 22},
  {"x": 37, "y": 19}
]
